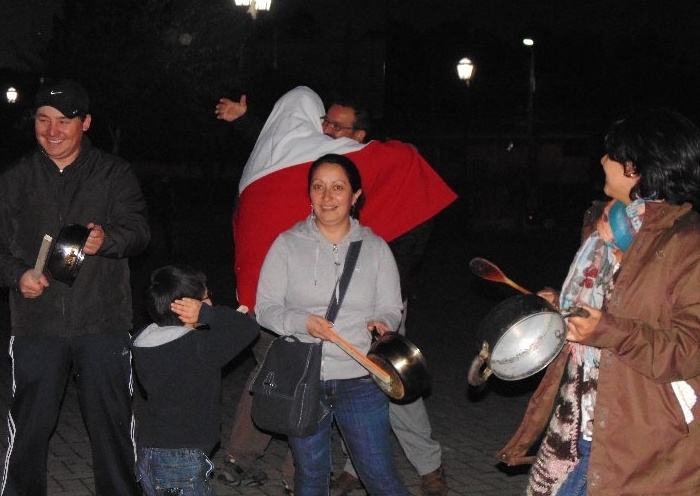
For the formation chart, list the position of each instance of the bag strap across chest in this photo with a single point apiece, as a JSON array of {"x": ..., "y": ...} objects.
[{"x": 344, "y": 281}]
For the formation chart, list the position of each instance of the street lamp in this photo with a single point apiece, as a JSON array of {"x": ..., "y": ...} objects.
[
  {"x": 11, "y": 95},
  {"x": 254, "y": 6},
  {"x": 529, "y": 42},
  {"x": 465, "y": 70},
  {"x": 532, "y": 173}
]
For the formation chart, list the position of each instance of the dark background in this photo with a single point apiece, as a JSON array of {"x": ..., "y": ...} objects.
[{"x": 155, "y": 69}]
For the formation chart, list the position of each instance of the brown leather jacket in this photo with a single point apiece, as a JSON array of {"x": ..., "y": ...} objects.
[{"x": 649, "y": 333}]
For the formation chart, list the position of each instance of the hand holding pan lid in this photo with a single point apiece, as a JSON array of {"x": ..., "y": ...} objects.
[{"x": 68, "y": 253}]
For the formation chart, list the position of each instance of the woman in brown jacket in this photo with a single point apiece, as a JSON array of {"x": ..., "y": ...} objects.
[{"x": 620, "y": 404}]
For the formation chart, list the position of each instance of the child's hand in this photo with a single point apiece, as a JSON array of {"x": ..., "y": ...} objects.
[{"x": 187, "y": 309}]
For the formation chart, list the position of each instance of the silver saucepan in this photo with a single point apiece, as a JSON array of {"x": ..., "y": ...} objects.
[
  {"x": 405, "y": 364},
  {"x": 395, "y": 363},
  {"x": 520, "y": 337}
]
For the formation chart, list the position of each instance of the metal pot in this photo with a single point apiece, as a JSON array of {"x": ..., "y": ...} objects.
[
  {"x": 521, "y": 336},
  {"x": 404, "y": 362},
  {"x": 67, "y": 255}
]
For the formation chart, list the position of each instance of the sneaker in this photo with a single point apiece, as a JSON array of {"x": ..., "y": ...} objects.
[
  {"x": 236, "y": 475},
  {"x": 345, "y": 483},
  {"x": 433, "y": 484}
]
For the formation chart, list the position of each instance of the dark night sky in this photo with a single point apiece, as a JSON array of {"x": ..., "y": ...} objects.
[
  {"x": 25, "y": 25},
  {"x": 25, "y": 29},
  {"x": 459, "y": 26}
]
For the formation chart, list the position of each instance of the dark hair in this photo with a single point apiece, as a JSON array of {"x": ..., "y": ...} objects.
[
  {"x": 351, "y": 171},
  {"x": 170, "y": 283},
  {"x": 663, "y": 146},
  {"x": 363, "y": 117}
]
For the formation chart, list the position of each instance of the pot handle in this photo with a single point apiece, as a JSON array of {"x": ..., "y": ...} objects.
[
  {"x": 477, "y": 376},
  {"x": 576, "y": 312}
]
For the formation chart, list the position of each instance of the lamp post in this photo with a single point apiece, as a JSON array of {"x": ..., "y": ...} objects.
[
  {"x": 465, "y": 72},
  {"x": 529, "y": 42},
  {"x": 248, "y": 52},
  {"x": 11, "y": 95},
  {"x": 532, "y": 176},
  {"x": 254, "y": 6}
]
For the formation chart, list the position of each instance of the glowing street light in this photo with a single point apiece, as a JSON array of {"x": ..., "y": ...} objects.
[
  {"x": 11, "y": 95},
  {"x": 465, "y": 70},
  {"x": 254, "y": 6}
]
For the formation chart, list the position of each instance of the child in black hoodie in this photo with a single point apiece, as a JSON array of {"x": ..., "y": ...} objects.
[{"x": 178, "y": 361}]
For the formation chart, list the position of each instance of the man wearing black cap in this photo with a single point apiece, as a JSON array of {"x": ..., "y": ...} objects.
[{"x": 59, "y": 323}]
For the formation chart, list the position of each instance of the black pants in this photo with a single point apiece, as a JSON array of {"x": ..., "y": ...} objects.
[{"x": 102, "y": 367}]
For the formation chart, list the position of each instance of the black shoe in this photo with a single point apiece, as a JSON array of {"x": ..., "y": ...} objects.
[{"x": 235, "y": 475}]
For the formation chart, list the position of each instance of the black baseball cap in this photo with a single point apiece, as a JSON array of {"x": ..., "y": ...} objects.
[{"x": 68, "y": 96}]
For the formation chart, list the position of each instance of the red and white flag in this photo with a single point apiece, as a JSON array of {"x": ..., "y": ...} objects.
[{"x": 401, "y": 189}]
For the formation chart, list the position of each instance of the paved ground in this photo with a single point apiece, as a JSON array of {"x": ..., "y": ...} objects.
[{"x": 446, "y": 305}]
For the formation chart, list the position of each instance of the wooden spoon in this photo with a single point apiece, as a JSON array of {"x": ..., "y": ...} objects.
[
  {"x": 368, "y": 364},
  {"x": 489, "y": 271}
]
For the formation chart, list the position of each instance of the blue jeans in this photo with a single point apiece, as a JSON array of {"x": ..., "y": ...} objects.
[
  {"x": 174, "y": 472},
  {"x": 361, "y": 411},
  {"x": 575, "y": 483}
]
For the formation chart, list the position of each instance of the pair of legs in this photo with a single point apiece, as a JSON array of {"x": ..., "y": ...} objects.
[
  {"x": 411, "y": 425},
  {"x": 361, "y": 411},
  {"x": 184, "y": 471},
  {"x": 247, "y": 443},
  {"x": 40, "y": 368}
]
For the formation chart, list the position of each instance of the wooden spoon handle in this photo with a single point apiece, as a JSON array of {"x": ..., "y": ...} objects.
[
  {"x": 357, "y": 355},
  {"x": 41, "y": 258},
  {"x": 515, "y": 285},
  {"x": 491, "y": 272}
]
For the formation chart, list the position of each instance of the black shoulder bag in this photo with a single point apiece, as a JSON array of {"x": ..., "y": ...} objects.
[{"x": 286, "y": 387}]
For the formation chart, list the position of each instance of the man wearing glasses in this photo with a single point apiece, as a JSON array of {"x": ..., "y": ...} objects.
[{"x": 344, "y": 119}]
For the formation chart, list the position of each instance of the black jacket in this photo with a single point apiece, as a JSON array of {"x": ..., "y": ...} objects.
[
  {"x": 181, "y": 378},
  {"x": 36, "y": 198},
  {"x": 408, "y": 250}
]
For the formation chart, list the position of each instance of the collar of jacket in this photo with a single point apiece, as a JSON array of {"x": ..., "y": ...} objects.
[{"x": 662, "y": 215}]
